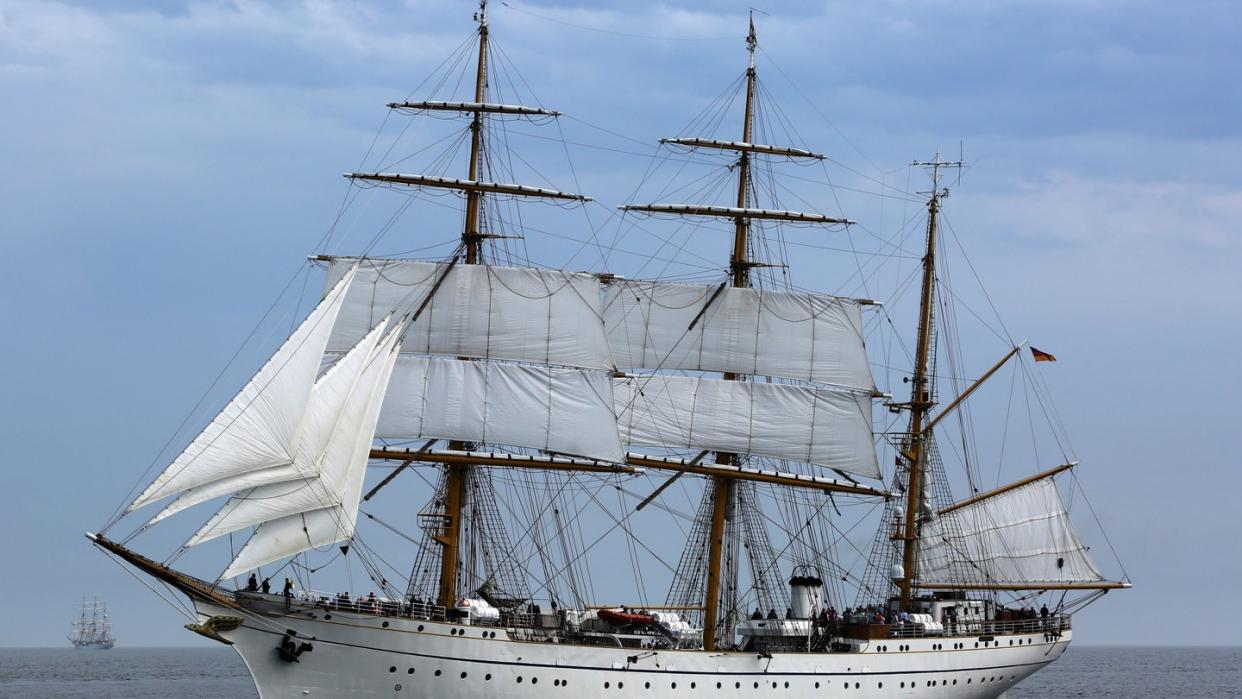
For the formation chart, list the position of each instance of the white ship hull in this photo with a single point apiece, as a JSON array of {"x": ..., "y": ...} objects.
[{"x": 375, "y": 656}]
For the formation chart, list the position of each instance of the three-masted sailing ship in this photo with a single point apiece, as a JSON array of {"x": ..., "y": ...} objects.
[
  {"x": 93, "y": 629},
  {"x": 746, "y": 392}
]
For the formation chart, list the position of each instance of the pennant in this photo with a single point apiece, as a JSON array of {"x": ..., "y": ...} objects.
[{"x": 1041, "y": 356}]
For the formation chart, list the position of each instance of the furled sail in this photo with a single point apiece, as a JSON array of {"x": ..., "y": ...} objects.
[
  {"x": 258, "y": 429},
  {"x": 808, "y": 337},
  {"x": 337, "y": 443},
  {"x": 563, "y": 410},
  {"x": 1020, "y": 536},
  {"x": 821, "y": 426},
  {"x": 515, "y": 313}
]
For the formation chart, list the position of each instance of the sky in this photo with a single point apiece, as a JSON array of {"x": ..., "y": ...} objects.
[{"x": 169, "y": 166}]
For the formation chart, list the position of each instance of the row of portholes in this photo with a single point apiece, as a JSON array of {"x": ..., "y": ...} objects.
[
  {"x": 392, "y": 669},
  {"x": 719, "y": 685}
]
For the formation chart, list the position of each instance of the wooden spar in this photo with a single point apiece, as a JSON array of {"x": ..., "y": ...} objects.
[
  {"x": 472, "y": 458},
  {"x": 921, "y": 398},
  {"x": 722, "y": 500},
  {"x": 735, "y": 213},
  {"x": 457, "y": 477},
  {"x": 978, "y": 382},
  {"x": 190, "y": 585},
  {"x": 634, "y": 464},
  {"x": 722, "y": 489},
  {"x": 1006, "y": 488},
  {"x": 920, "y": 404},
  {"x": 1019, "y": 586},
  {"x": 474, "y": 107},
  {"x": 404, "y": 465},
  {"x": 664, "y": 486},
  {"x": 472, "y": 187},
  {"x": 741, "y": 146}
]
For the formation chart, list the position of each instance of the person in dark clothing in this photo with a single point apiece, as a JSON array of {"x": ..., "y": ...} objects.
[
  {"x": 288, "y": 591},
  {"x": 252, "y": 585},
  {"x": 757, "y": 615},
  {"x": 772, "y": 614},
  {"x": 267, "y": 586},
  {"x": 1043, "y": 612}
]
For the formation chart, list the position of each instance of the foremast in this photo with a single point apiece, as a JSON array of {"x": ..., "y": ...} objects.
[{"x": 458, "y": 473}]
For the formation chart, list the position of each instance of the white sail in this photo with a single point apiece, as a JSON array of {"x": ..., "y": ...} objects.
[
  {"x": 258, "y": 429},
  {"x": 568, "y": 411},
  {"x": 807, "y": 337},
  {"x": 328, "y": 447},
  {"x": 515, "y": 313},
  {"x": 328, "y": 398},
  {"x": 1020, "y": 536},
  {"x": 816, "y": 425},
  {"x": 344, "y": 469}
]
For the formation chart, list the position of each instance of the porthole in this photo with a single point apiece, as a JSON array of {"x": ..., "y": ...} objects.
[
  {"x": 519, "y": 680},
  {"x": 556, "y": 683},
  {"x": 880, "y": 685},
  {"x": 535, "y": 680},
  {"x": 385, "y": 624},
  {"x": 396, "y": 688},
  {"x": 737, "y": 685},
  {"x": 786, "y": 685},
  {"x": 756, "y": 685},
  {"x": 393, "y": 668},
  {"x": 606, "y": 685},
  {"x": 463, "y": 675},
  {"x": 903, "y": 685},
  {"x": 718, "y": 685},
  {"x": 857, "y": 685},
  {"x": 410, "y": 671},
  {"x": 620, "y": 685},
  {"x": 646, "y": 685},
  {"x": 487, "y": 677},
  {"x": 674, "y": 685},
  {"x": 420, "y": 627},
  {"x": 817, "y": 685},
  {"x": 693, "y": 685},
  {"x": 438, "y": 674},
  {"x": 327, "y": 616}
]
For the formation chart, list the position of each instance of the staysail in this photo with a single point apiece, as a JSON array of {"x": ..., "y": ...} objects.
[
  {"x": 1021, "y": 536},
  {"x": 259, "y": 428},
  {"x": 321, "y": 509}
]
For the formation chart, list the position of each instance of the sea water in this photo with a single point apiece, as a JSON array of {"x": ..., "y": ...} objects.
[{"x": 217, "y": 673}]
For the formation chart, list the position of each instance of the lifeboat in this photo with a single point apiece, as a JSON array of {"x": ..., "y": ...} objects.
[{"x": 624, "y": 618}]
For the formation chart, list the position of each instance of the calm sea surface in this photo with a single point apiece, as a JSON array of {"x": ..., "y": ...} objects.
[{"x": 211, "y": 673}]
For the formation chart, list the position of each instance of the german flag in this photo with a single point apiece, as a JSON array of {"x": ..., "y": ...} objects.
[{"x": 1042, "y": 356}]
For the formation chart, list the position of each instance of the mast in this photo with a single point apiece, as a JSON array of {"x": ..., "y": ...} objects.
[
  {"x": 458, "y": 475},
  {"x": 722, "y": 488},
  {"x": 922, "y": 394}
]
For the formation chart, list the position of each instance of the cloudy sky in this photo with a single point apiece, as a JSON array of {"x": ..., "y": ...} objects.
[{"x": 168, "y": 166}]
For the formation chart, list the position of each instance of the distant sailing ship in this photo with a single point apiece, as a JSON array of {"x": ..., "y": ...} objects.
[
  {"x": 754, "y": 397},
  {"x": 93, "y": 629}
]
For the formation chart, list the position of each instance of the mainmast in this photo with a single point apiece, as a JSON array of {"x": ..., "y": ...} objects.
[
  {"x": 922, "y": 395},
  {"x": 457, "y": 476},
  {"x": 722, "y": 488},
  {"x": 722, "y": 493}
]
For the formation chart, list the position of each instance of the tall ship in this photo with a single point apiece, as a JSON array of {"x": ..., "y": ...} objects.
[
  {"x": 93, "y": 629},
  {"x": 643, "y": 484}
]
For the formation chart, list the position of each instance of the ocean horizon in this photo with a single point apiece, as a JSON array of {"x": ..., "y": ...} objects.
[{"x": 190, "y": 672}]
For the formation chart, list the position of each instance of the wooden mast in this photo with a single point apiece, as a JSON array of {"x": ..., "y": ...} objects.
[
  {"x": 457, "y": 476},
  {"x": 722, "y": 488},
  {"x": 921, "y": 394}
]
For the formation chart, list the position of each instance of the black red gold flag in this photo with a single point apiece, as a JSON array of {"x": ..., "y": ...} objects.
[{"x": 1041, "y": 356}]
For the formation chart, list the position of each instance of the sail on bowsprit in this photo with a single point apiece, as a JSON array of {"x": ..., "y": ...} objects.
[{"x": 536, "y": 396}]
